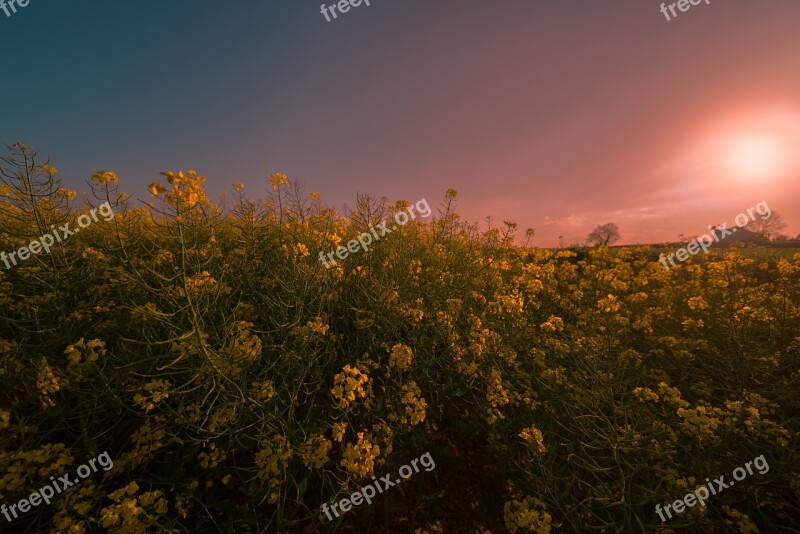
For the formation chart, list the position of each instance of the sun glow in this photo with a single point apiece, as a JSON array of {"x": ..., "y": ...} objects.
[
  {"x": 755, "y": 156},
  {"x": 751, "y": 148}
]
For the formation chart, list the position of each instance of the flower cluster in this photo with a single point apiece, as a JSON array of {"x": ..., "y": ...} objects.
[
  {"x": 157, "y": 391},
  {"x": 315, "y": 451},
  {"x": 359, "y": 458},
  {"x": 130, "y": 514},
  {"x": 528, "y": 515},
  {"x": 349, "y": 385},
  {"x": 533, "y": 438},
  {"x": 272, "y": 460},
  {"x": 401, "y": 357},
  {"x": 187, "y": 189},
  {"x": 87, "y": 351},
  {"x": 414, "y": 404}
]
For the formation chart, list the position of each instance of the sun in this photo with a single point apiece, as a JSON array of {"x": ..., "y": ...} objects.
[
  {"x": 755, "y": 156},
  {"x": 747, "y": 148}
]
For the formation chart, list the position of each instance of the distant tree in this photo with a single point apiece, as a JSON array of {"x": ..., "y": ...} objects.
[
  {"x": 768, "y": 228},
  {"x": 604, "y": 234}
]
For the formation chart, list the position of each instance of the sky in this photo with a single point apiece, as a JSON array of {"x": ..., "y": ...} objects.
[{"x": 557, "y": 115}]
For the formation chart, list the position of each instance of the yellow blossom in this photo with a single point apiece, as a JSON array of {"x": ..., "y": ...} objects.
[
  {"x": 47, "y": 383},
  {"x": 338, "y": 430},
  {"x": 156, "y": 188},
  {"x": 414, "y": 404},
  {"x": 158, "y": 390},
  {"x": 528, "y": 515},
  {"x": 533, "y": 437},
  {"x": 359, "y": 458},
  {"x": 105, "y": 177},
  {"x": 401, "y": 356},
  {"x": 314, "y": 451},
  {"x": 349, "y": 385},
  {"x": 278, "y": 179}
]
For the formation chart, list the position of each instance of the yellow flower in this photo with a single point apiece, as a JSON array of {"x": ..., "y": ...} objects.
[
  {"x": 609, "y": 304},
  {"x": 700, "y": 421},
  {"x": 264, "y": 390},
  {"x": 204, "y": 280},
  {"x": 156, "y": 188},
  {"x": 179, "y": 178},
  {"x": 528, "y": 515},
  {"x": 146, "y": 441},
  {"x": 338, "y": 430},
  {"x": 671, "y": 395},
  {"x": 271, "y": 460},
  {"x": 645, "y": 394},
  {"x": 553, "y": 324},
  {"x": 105, "y": 177},
  {"x": 414, "y": 404},
  {"x": 212, "y": 458},
  {"x": 318, "y": 326},
  {"x": 65, "y": 193},
  {"x": 533, "y": 437},
  {"x": 314, "y": 451},
  {"x": 497, "y": 394},
  {"x": 72, "y": 352},
  {"x": 738, "y": 521},
  {"x": 435, "y": 528},
  {"x": 157, "y": 391},
  {"x": 359, "y": 458},
  {"x": 47, "y": 383},
  {"x": 349, "y": 385},
  {"x": 238, "y": 186},
  {"x": 278, "y": 179},
  {"x": 697, "y": 304},
  {"x": 300, "y": 250},
  {"x": 128, "y": 513},
  {"x": 401, "y": 356},
  {"x": 187, "y": 189},
  {"x": 91, "y": 350}
]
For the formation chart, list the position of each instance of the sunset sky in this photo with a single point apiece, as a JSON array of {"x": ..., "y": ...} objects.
[{"x": 558, "y": 115}]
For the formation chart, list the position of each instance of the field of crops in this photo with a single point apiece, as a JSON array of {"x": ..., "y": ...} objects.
[{"x": 239, "y": 385}]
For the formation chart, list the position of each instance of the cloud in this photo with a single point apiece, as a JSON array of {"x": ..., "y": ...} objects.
[{"x": 570, "y": 221}]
